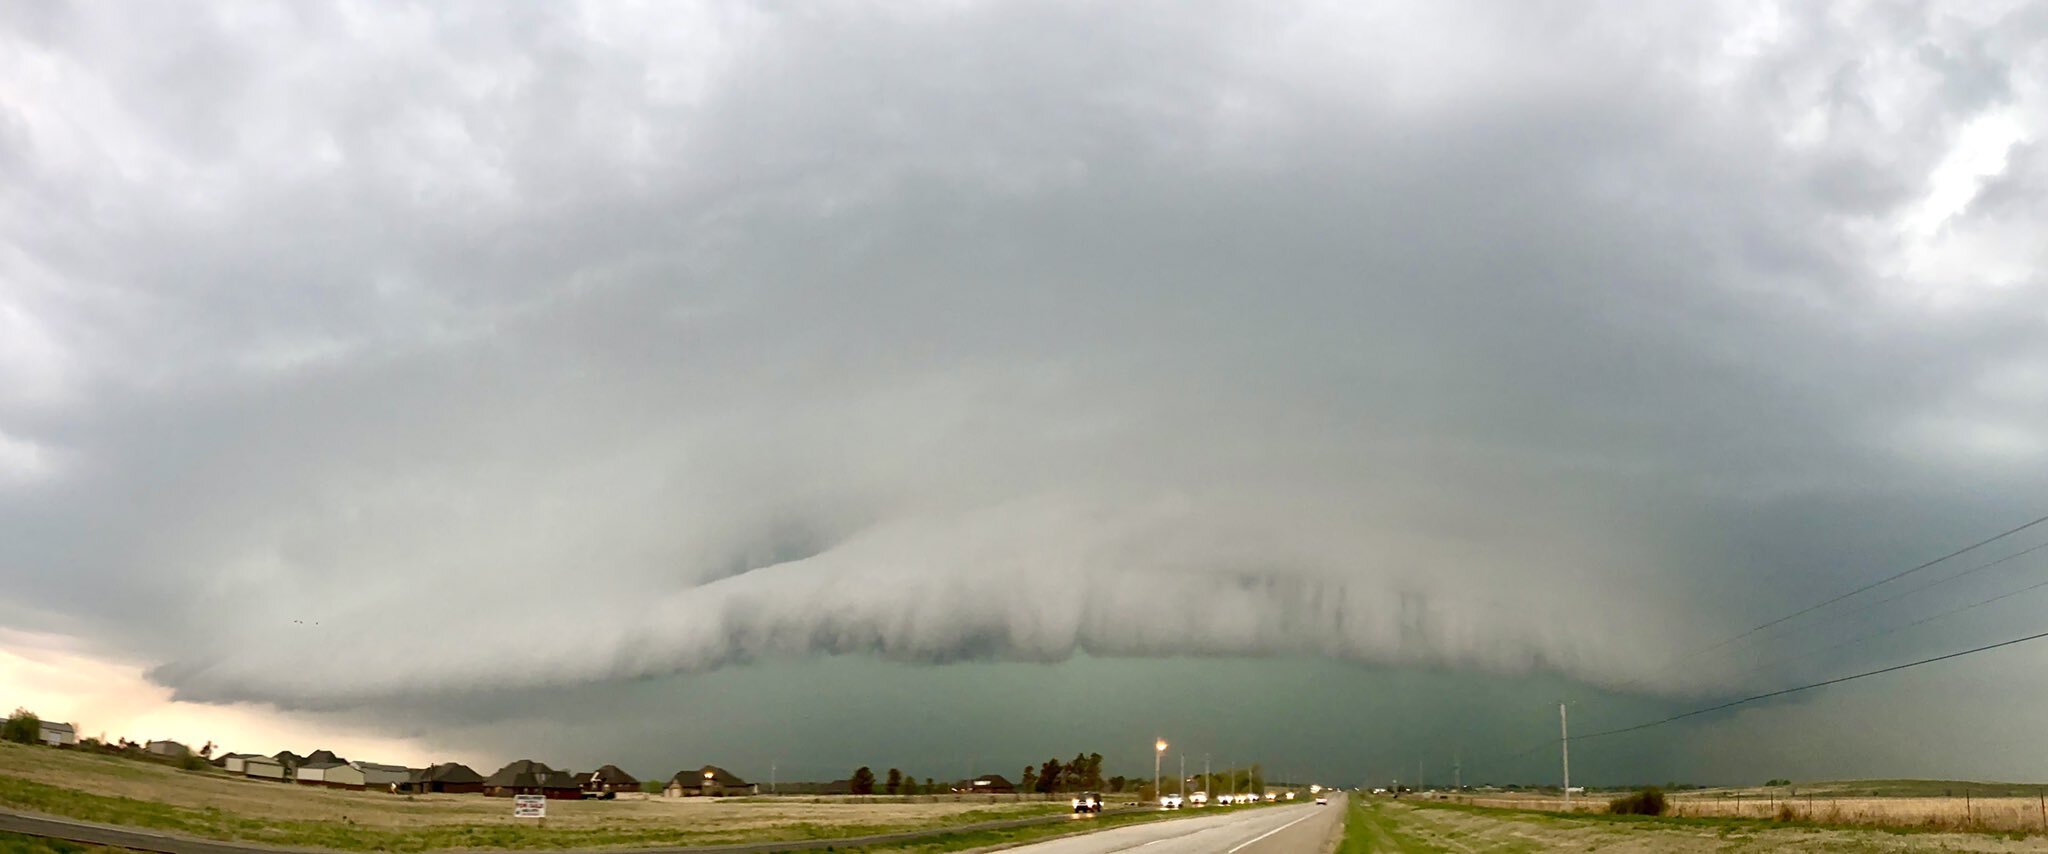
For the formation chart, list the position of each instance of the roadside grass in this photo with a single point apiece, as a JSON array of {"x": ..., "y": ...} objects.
[
  {"x": 1368, "y": 828},
  {"x": 1723, "y": 823},
  {"x": 210, "y": 823},
  {"x": 15, "y": 843},
  {"x": 974, "y": 840}
]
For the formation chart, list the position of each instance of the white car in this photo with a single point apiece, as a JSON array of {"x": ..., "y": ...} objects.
[
  {"x": 1170, "y": 802},
  {"x": 1322, "y": 801},
  {"x": 1200, "y": 799}
]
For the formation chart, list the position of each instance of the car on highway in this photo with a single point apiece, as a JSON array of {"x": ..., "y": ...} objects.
[
  {"x": 1322, "y": 800},
  {"x": 1170, "y": 802},
  {"x": 1200, "y": 799},
  {"x": 1088, "y": 802}
]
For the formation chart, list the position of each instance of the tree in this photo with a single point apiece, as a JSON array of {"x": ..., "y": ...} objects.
[
  {"x": 206, "y": 752},
  {"x": 930, "y": 787},
  {"x": 1116, "y": 783},
  {"x": 22, "y": 727},
  {"x": 1093, "y": 779},
  {"x": 895, "y": 784},
  {"x": 1029, "y": 782},
  {"x": 1049, "y": 776},
  {"x": 863, "y": 780}
]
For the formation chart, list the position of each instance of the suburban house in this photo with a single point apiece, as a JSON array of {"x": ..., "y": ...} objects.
[
  {"x": 235, "y": 763},
  {"x": 57, "y": 734},
  {"x": 167, "y": 748},
  {"x": 452, "y": 778},
  {"x": 313, "y": 773},
  {"x": 323, "y": 756},
  {"x": 265, "y": 768},
  {"x": 610, "y": 778},
  {"x": 709, "y": 781},
  {"x": 986, "y": 784},
  {"x": 289, "y": 759},
  {"x": 527, "y": 777},
  {"x": 382, "y": 777}
]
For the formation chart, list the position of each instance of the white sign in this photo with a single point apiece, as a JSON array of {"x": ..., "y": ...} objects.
[{"x": 529, "y": 806}]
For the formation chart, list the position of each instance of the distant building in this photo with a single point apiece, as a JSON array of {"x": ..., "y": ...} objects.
[
  {"x": 709, "y": 781},
  {"x": 382, "y": 777},
  {"x": 986, "y": 784},
  {"x": 289, "y": 759},
  {"x": 167, "y": 748},
  {"x": 313, "y": 773},
  {"x": 610, "y": 778},
  {"x": 527, "y": 777},
  {"x": 235, "y": 763},
  {"x": 57, "y": 734},
  {"x": 265, "y": 768},
  {"x": 452, "y": 778}
]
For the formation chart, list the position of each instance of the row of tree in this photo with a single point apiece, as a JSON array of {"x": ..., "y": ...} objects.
[
  {"x": 897, "y": 783},
  {"x": 1084, "y": 773}
]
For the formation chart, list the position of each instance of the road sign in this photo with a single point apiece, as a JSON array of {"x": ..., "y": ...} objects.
[{"x": 529, "y": 806}]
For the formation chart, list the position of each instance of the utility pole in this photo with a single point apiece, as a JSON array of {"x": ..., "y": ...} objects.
[
  {"x": 1457, "y": 773},
  {"x": 771, "y": 779},
  {"x": 1183, "y": 778},
  {"x": 1208, "y": 785},
  {"x": 1564, "y": 732},
  {"x": 1158, "y": 750},
  {"x": 1418, "y": 775}
]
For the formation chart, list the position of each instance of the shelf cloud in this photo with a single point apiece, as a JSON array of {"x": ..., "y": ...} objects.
[{"x": 356, "y": 354}]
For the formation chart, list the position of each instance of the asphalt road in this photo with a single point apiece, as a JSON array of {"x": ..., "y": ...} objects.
[{"x": 1293, "y": 829}]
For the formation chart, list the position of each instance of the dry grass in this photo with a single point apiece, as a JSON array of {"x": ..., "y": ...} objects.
[
  {"x": 1402, "y": 827},
  {"x": 1827, "y": 804},
  {"x": 212, "y": 804}
]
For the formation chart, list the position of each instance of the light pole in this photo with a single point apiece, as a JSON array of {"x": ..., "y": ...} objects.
[
  {"x": 1183, "y": 778},
  {"x": 1158, "y": 750}
]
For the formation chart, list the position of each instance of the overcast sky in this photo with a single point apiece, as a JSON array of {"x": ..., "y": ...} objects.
[{"x": 1334, "y": 385}]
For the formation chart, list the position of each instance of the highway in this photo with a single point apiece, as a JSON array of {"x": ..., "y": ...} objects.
[{"x": 1293, "y": 829}]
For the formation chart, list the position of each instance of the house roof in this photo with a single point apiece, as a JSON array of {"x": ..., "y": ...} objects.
[
  {"x": 528, "y": 774},
  {"x": 324, "y": 756},
  {"x": 691, "y": 779},
  {"x": 609, "y": 774},
  {"x": 58, "y": 726},
  {"x": 317, "y": 766},
  {"x": 288, "y": 757},
  {"x": 449, "y": 772},
  {"x": 263, "y": 759},
  {"x": 372, "y": 766}
]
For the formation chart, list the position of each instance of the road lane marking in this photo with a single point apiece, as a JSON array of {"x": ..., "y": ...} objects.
[{"x": 1255, "y": 839}]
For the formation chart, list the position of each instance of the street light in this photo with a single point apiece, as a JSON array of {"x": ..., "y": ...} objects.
[{"x": 1158, "y": 750}]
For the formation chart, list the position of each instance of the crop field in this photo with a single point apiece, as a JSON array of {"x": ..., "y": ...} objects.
[
  {"x": 1379, "y": 825},
  {"x": 120, "y": 791}
]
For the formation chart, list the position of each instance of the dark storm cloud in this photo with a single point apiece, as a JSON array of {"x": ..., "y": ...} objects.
[{"x": 541, "y": 346}]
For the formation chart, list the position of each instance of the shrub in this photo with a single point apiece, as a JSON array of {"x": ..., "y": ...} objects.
[
  {"x": 1779, "y": 782},
  {"x": 22, "y": 727},
  {"x": 1649, "y": 801}
]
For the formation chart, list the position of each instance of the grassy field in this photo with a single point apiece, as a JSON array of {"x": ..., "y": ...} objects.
[
  {"x": 1917, "y": 804},
  {"x": 216, "y": 806},
  {"x": 1377, "y": 825}
]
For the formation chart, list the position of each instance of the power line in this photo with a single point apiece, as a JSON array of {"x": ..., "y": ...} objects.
[
  {"x": 1922, "y": 621},
  {"x": 1872, "y": 585},
  {"x": 1838, "y": 616},
  {"x": 1812, "y": 685},
  {"x": 1778, "y": 693}
]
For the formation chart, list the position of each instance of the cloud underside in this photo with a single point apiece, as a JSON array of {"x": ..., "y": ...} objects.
[{"x": 347, "y": 356}]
